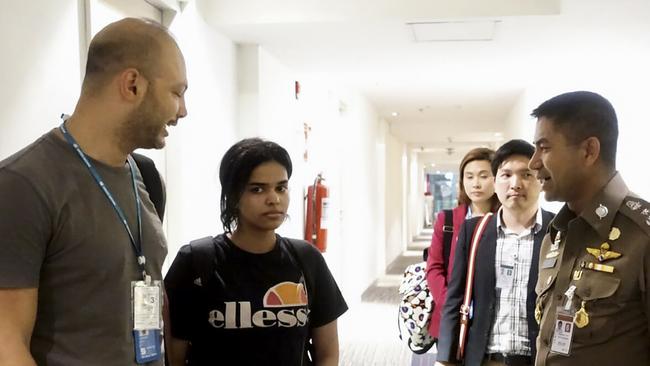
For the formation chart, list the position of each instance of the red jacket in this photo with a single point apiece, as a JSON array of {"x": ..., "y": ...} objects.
[{"x": 437, "y": 275}]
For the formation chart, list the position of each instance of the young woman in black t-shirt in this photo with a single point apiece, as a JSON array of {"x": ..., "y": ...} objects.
[{"x": 265, "y": 296}]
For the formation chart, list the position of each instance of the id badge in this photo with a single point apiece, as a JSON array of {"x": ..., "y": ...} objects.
[
  {"x": 506, "y": 276},
  {"x": 146, "y": 308},
  {"x": 147, "y": 345},
  {"x": 146, "y": 305},
  {"x": 563, "y": 333}
]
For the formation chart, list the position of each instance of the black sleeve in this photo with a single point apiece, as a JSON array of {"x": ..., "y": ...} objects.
[
  {"x": 328, "y": 303},
  {"x": 181, "y": 294},
  {"x": 450, "y": 316}
]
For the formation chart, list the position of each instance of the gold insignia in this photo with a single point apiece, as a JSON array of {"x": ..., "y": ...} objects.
[
  {"x": 594, "y": 251},
  {"x": 577, "y": 275},
  {"x": 614, "y": 234},
  {"x": 581, "y": 319},
  {"x": 603, "y": 253},
  {"x": 538, "y": 313},
  {"x": 597, "y": 267}
]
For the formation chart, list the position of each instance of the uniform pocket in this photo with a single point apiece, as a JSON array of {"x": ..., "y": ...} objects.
[
  {"x": 596, "y": 290},
  {"x": 596, "y": 285}
]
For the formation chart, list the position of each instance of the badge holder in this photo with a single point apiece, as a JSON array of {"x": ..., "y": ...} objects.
[
  {"x": 147, "y": 319},
  {"x": 563, "y": 328},
  {"x": 506, "y": 277}
]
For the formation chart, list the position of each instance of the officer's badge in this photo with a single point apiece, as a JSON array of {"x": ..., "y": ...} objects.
[
  {"x": 603, "y": 253},
  {"x": 581, "y": 318},
  {"x": 614, "y": 234}
]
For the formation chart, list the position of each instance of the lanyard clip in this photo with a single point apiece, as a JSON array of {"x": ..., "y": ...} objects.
[
  {"x": 569, "y": 297},
  {"x": 146, "y": 277}
]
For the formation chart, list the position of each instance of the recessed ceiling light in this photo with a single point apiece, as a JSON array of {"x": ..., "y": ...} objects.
[
  {"x": 468, "y": 30},
  {"x": 394, "y": 114}
]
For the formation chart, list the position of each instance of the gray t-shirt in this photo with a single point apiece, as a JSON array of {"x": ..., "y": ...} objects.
[{"x": 59, "y": 233}]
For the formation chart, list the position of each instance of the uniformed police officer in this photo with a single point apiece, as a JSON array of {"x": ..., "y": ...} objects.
[{"x": 595, "y": 258}]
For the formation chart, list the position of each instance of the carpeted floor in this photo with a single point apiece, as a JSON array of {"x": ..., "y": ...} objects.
[{"x": 368, "y": 332}]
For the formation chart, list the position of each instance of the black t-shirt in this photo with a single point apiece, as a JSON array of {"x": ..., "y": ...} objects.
[{"x": 254, "y": 309}]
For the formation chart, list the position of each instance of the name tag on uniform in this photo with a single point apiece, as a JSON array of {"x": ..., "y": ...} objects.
[
  {"x": 563, "y": 333},
  {"x": 549, "y": 263},
  {"x": 147, "y": 319},
  {"x": 506, "y": 276}
]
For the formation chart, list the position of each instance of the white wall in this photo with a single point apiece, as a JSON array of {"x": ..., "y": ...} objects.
[
  {"x": 40, "y": 75},
  {"x": 195, "y": 146},
  {"x": 247, "y": 90},
  {"x": 360, "y": 198},
  {"x": 395, "y": 209},
  {"x": 346, "y": 144},
  {"x": 415, "y": 194}
]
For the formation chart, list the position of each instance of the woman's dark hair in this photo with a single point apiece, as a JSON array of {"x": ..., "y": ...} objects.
[
  {"x": 235, "y": 170},
  {"x": 479, "y": 153}
]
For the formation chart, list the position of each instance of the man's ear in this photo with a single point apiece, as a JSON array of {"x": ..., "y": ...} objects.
[
  {"x": 132, "y": 85},
  {"x": 591, "y": 148}
]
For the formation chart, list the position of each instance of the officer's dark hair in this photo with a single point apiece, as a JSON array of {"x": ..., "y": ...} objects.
[
  {"x": 236, "y": 168},
  {"x": 583, "y": 114},
  {"x": 510, "y": 148}
]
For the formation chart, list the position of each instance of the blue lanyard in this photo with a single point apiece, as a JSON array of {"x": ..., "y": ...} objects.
[{"x": 137, "y": 245}]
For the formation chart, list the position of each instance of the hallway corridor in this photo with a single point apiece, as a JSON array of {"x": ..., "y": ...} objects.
[{"x": 368, "y": 332}]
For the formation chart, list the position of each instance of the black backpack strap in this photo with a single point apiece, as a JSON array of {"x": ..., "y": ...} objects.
[
  {"x": 204, "y": 259},
  {"x": 299, "y": 250},
  {"x": 447, "y": 235},
  {"x": 152, "y": 181}
]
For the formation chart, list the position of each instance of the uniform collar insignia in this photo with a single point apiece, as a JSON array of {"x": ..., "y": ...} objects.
[
  {"x": 633, "y": 205},
  {"x": 602, "y": 209}
]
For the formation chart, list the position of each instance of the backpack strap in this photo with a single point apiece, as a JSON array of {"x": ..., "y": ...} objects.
[
  {"x": 204, "y": 259},
  {"x": 299, "y": 251},
  {"x": 152, "y": 182},
  {"x": 447, "y": 236},
  {"x": 469, "y": 283}
]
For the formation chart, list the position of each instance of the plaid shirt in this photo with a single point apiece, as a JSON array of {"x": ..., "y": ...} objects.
[{"x": 512, "y": 263}]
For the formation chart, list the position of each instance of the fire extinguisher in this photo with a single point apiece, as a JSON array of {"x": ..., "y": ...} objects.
[{"x": 316, "y": 221}]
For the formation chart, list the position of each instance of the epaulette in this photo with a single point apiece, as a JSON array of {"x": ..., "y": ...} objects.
[{"x": 638, "y": 210}]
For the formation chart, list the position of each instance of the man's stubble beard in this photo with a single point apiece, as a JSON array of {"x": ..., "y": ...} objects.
[{"x": 142, "y": 129}]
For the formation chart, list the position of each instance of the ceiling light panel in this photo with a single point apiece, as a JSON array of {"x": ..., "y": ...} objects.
[{"x": 454, "y": 31}]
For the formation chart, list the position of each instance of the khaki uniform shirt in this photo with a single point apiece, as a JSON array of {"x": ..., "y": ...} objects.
[{"x": 610, "y": 295}]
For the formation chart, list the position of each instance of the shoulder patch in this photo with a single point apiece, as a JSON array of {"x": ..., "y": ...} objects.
[{"x": 638, "y": 210}]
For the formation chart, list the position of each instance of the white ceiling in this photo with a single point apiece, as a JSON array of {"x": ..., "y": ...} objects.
[{"x": 441, "y": 90}]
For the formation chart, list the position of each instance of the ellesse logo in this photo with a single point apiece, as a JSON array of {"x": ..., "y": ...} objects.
[
  {"x": 289, "y": 296},
  {"x": 285, "y": 294}
]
